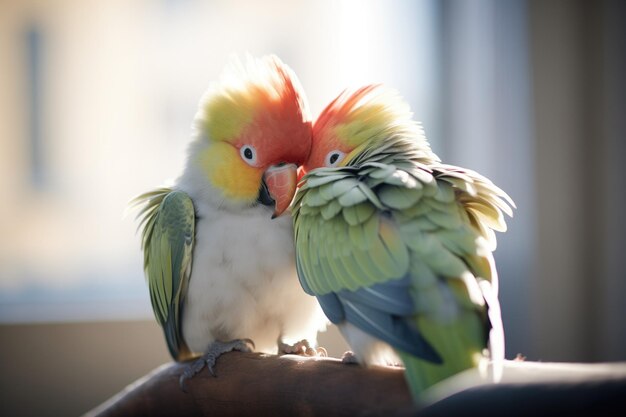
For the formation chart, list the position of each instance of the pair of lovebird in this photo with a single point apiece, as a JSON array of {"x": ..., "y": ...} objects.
[{"x": 395, "y": 246}]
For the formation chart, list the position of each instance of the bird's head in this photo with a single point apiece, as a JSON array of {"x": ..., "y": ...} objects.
[
  {"x": 253, "y": 130},
  {"x": 356, "y": 120}
]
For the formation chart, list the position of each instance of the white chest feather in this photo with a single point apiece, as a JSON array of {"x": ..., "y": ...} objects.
[{"x": 243, "y": 282}]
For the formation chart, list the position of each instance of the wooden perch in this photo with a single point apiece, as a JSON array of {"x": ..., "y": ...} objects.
[{"x": 257, "y": 384}]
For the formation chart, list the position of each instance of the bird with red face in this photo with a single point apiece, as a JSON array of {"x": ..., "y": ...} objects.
[
  {"x": 218, "y": 260},
  {"x": 397, "y": 246}
]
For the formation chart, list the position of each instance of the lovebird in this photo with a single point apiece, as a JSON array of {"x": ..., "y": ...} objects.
[
  {"x": 219, "y": 262},
  {"x": 396, "y": 246}
]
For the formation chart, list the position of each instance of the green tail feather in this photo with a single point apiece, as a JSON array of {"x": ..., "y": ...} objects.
[{"x": 460, "y": 344}]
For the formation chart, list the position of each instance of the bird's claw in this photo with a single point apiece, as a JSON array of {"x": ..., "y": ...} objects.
[
  {"x": 249, "y": 342},
  {"x": 213, "y": 352},
  {"x": 189, "y": 372},
  {"x": 298, "y": 348},
  {"x": 349, "y": 358},
  {"x": 321, "y": 352},
  {"x": 303, "y": 347}
]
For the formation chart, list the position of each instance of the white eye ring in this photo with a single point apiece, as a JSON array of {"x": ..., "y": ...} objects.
[
  {"x": 333, "y": 158},
  {"x": 248, "y": 154}
]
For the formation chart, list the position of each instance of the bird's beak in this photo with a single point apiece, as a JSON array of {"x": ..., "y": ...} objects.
[
  {"x": 301, "y": 173},
  {"x": 281, "y": 182}
]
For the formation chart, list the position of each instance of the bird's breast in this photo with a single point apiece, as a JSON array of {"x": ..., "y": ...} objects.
[{"x": 241, "y": 266}]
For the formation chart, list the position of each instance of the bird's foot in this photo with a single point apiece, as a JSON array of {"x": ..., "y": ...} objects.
[
  {"x": 214, "y": 351},
  {"x": 349, "y": 358},
  {"x": 303, "y": 347}
]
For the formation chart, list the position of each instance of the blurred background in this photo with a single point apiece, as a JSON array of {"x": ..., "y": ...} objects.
[{"x": 96, "y": 104}]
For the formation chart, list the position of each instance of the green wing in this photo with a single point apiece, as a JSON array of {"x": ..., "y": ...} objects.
[
  {"x": 343, "y": 240},
  {"x": 360, "y": 226},
  {"x": 378, "y": 225},
  {"x": 168, "y": 221}
]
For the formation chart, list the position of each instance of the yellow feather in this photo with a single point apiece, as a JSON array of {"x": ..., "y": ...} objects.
[
  {"x": 364, "y": 123},
  {"x": 245, "y": 90},
  {"x": 225, "y": 169},
  {"x": 228, "y": 114}
]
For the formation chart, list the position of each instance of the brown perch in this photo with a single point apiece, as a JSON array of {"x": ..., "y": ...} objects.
[{"x": 258, "y": 384}]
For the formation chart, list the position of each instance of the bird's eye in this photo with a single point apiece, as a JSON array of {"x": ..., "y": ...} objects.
[
  {"x": 334, "y": 158},
  {"x": 248, "y": 154}
]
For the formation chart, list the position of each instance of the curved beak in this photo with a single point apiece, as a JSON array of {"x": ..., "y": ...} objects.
[
  {"x": 301, "y": 173},
  {"x": 281, "y": 182}
]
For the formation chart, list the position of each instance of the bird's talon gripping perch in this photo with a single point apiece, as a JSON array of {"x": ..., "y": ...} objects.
[
  {"x": 214, "y": 351},
  {"x": 191, "y": 370},
  {"x": 303, "y": 347},
  {"x": 297, "y": 348},
  {"x": 321, "y": 352},
  {"x": 210, "y": 363},
  {"x": 349, "y": 358}
]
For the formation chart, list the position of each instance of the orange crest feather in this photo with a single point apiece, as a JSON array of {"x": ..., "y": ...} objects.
[
  {"x": 259, "y": 103},
  {"x": 353, "y": 118}
]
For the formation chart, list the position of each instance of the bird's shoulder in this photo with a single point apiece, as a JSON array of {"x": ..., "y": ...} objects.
[{"x": 164, "y": 212}]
